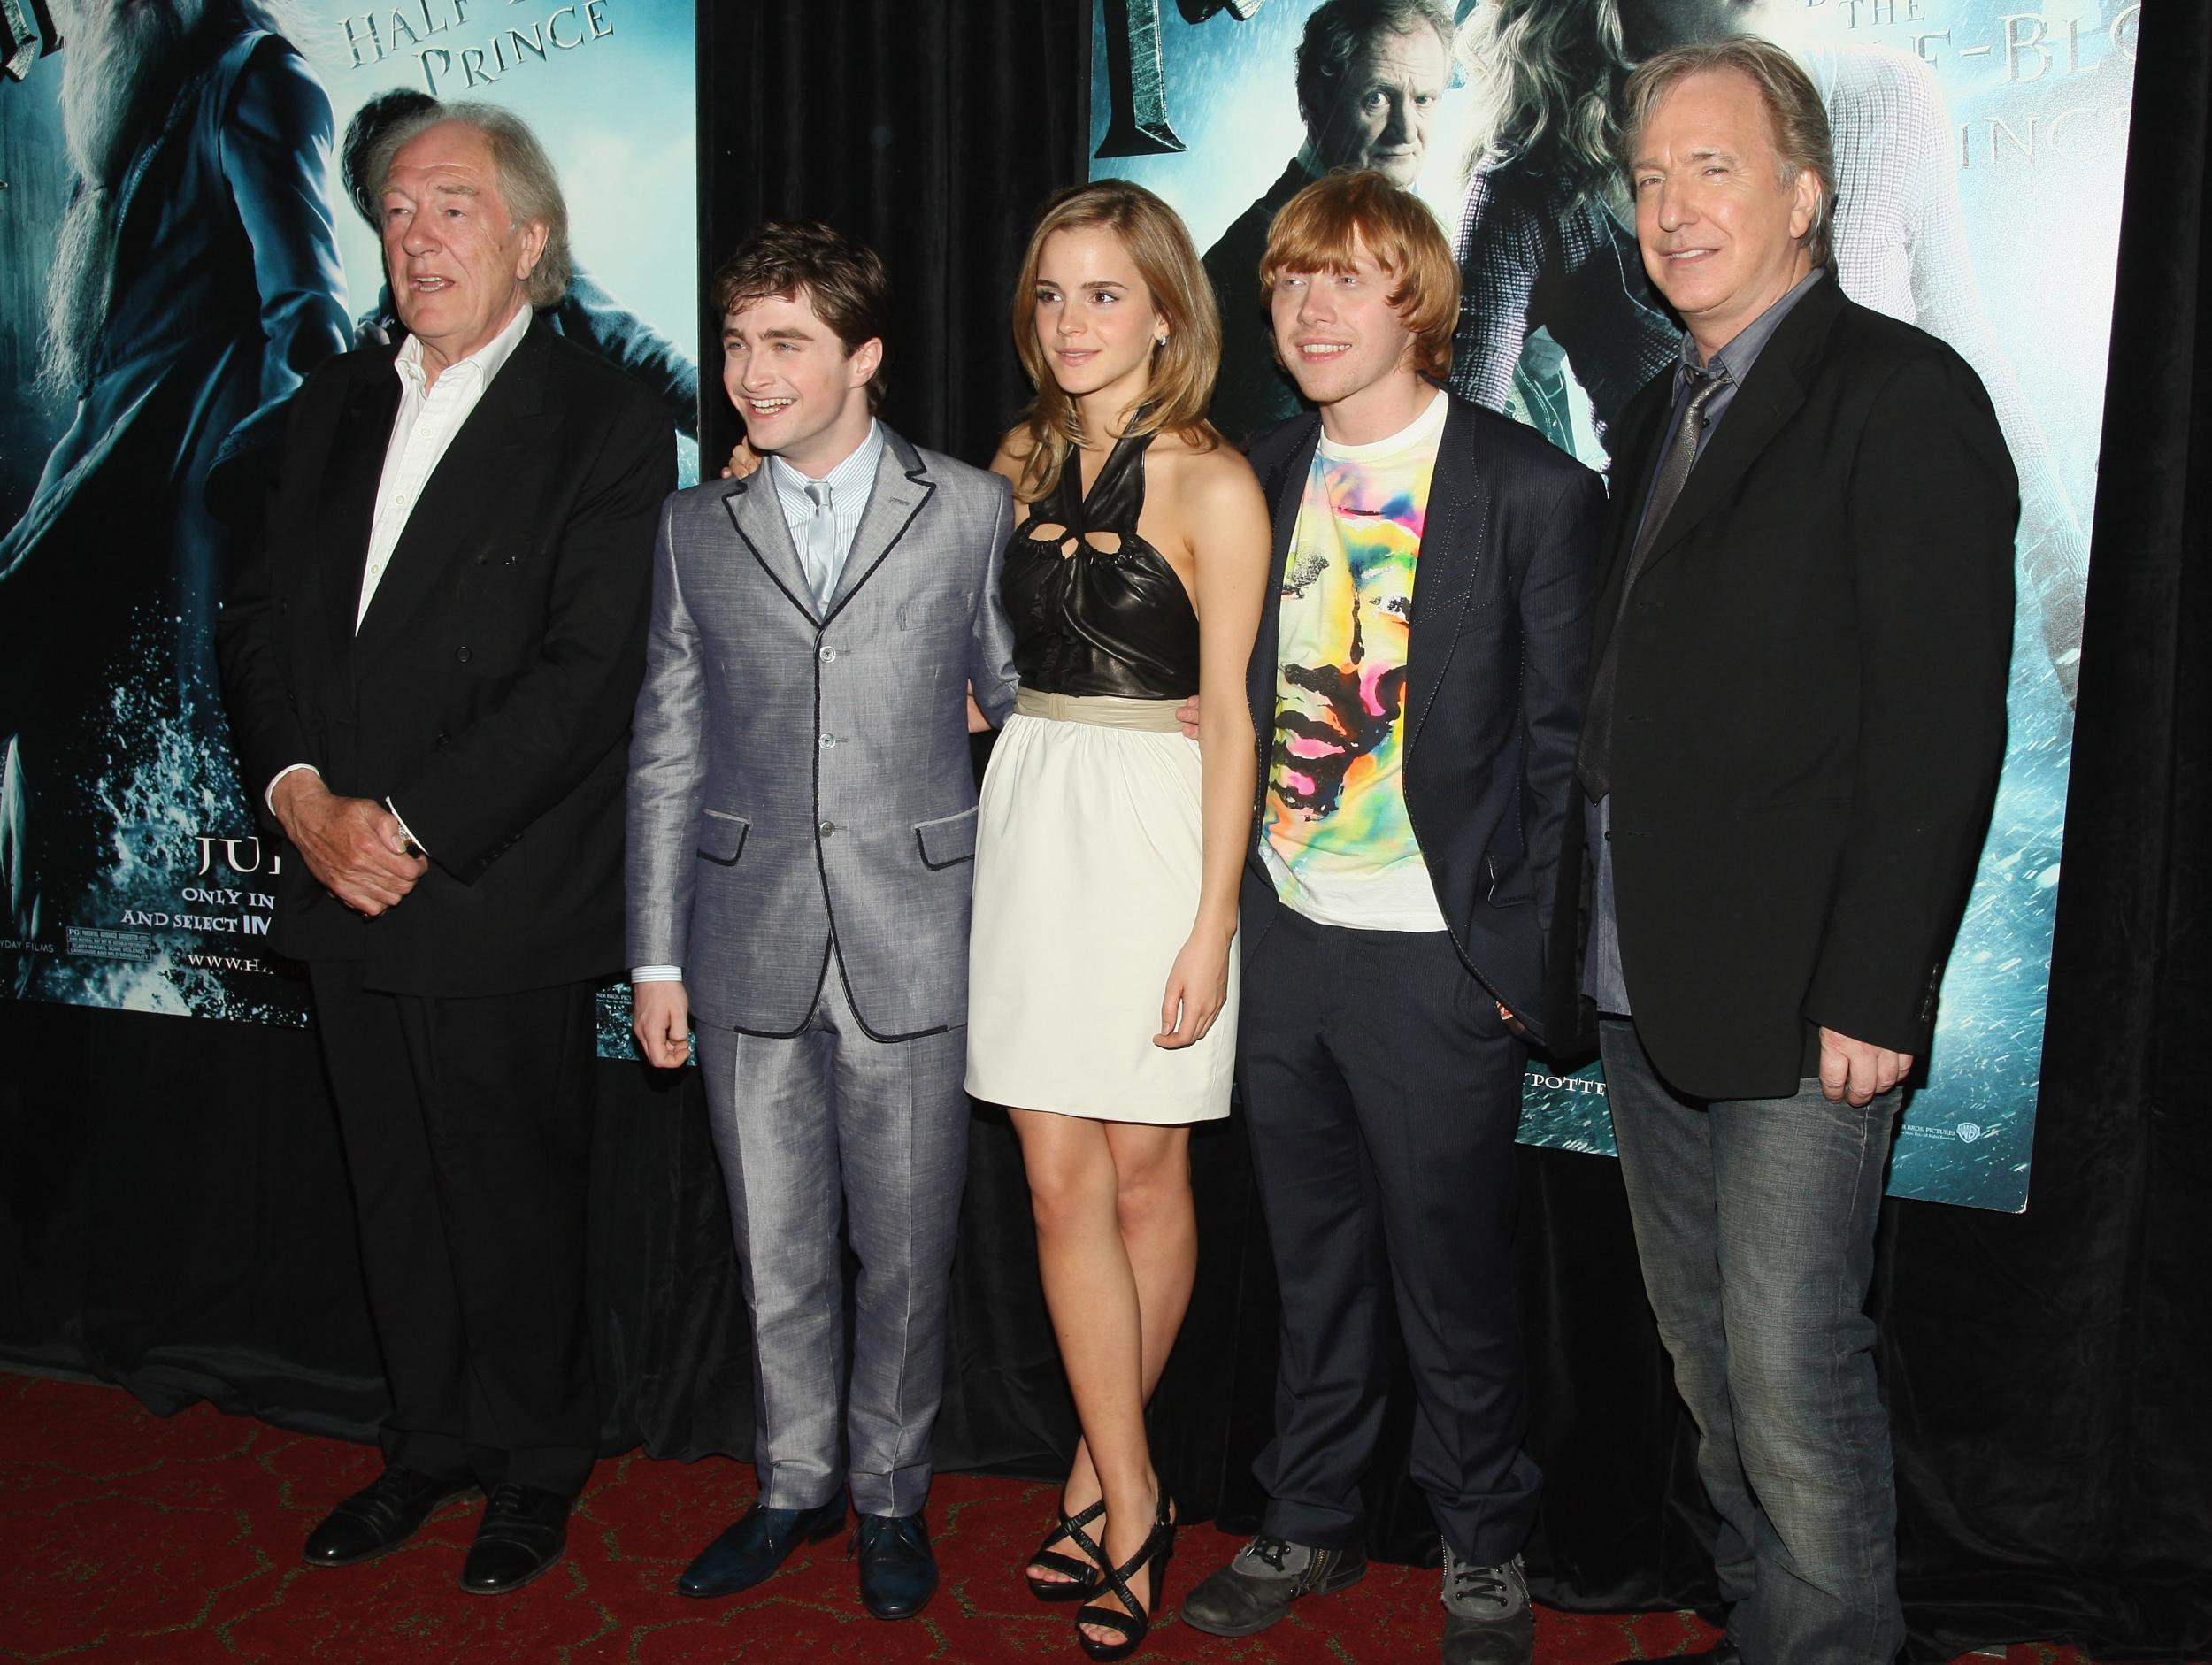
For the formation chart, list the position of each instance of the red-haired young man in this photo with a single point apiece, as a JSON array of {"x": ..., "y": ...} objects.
[{"x": 1416, "y": 688}]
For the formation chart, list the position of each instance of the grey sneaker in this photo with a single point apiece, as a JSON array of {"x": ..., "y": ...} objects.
[
  {"x": 1488, "y": 1620},
  {"x": 1262, "y": 1579}
]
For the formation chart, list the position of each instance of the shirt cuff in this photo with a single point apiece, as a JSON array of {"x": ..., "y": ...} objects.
[
  {"x": 420, "y": 848},
  {"x": 268, "y": 796},
  {"x": 657, "y": 974}
]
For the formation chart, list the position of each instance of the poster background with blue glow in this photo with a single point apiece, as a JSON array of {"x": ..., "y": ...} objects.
[
  {"x": 158, "y": 894},
  {"x": 2029, "y": 117}
]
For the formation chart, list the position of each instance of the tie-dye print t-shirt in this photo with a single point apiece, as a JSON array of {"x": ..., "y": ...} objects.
[{"x": 1335, "y": 835}]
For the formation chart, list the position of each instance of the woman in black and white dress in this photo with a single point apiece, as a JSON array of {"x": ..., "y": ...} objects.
[{"x": 1101, "y": 982}]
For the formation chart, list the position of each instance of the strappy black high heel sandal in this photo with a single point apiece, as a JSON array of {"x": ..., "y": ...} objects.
[
  {"x": 1133, "y": 1624},
  {"x": 1082, "y": 1575}
]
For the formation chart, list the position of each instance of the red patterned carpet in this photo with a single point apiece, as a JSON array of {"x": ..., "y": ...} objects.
[{"x": 128, "y": 1540}]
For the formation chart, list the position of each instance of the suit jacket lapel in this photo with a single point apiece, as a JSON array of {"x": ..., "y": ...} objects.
[
  {"x": 902, "y": 485},
  {"x": 509, "y": 422},
  {"x": 758, "y": 515},
  {"x": 1770, "y": 396},
  {"x": 1452, "y": 537},
  {"x": 348, "y": 508},
  {"x": 1285, "y": 486}
]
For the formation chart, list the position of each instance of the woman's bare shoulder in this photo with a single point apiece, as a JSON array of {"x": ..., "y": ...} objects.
[{"x": 1011, "y": 459}]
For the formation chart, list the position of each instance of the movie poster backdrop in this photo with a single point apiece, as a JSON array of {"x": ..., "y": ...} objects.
[
  {"x": 186, "y": 179},
  {"x": 1981, "y": 146}
]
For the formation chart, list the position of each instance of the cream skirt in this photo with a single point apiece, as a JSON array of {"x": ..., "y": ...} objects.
[{"x": 1087, "y": 882}]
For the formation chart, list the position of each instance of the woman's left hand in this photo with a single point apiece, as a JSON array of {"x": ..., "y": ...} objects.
[{"x": 1197, "y": 989}]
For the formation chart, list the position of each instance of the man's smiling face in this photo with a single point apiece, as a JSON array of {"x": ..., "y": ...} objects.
[{"x": 801, "y": 394}]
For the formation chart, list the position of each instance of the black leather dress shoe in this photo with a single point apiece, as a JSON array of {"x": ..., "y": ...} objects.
[
  {"x": 898, "y": 1571},
  {"x": 522, "y": 1534},
  {"x": 382, "y": 1516},
  {"x": 761, "y": 1541},
  {"x": 1721, "y": 1653}
]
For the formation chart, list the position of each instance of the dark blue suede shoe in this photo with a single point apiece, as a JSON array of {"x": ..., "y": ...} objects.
[
  {"x": 762, "y": 1541},
  {"x": 898, "y": 1572}
]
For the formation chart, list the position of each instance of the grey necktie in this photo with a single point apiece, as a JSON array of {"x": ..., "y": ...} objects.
[
  {"x": 817, "y": 543},
  {"x": 1594, "y": 756}
]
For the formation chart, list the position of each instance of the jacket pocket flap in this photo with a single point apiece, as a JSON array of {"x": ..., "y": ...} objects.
[
  {"x": 947, "y": 840},
  {"x": 722, "y": 835}
]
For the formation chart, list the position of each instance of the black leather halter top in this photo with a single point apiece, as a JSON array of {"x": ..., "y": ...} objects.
[{"x": 1091, "y": 621}]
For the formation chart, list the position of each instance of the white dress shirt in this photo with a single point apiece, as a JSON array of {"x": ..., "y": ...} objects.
[
  {"x": 430, "y": 414},
  {"x": 851, "y": 483}
]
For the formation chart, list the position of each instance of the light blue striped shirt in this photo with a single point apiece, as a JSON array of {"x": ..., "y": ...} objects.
[{"x": 851, "y": 483}]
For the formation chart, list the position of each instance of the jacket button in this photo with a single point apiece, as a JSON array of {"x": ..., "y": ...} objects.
[
  {"x": 463, "y": 655},
  {"x": 828, "y": 740},
  {"x": 829, "y": 655},
  {"x": 826, "y": 828}
]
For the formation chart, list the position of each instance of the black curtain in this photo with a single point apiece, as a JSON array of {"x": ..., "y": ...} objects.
[{"x": 173, "y": 1212}]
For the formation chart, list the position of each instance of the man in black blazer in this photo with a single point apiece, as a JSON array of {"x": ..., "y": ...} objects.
[
  {"x": 431, "y": 662},
  {"x": 1416, "y": 689},
  {"x": 1795, "y": 723}
]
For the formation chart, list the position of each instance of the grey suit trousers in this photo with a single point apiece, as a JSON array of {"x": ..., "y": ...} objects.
[{"x": 824, "y": 1127}]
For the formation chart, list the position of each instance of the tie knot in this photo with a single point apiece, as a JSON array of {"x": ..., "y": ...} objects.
[
  {"x": 1703, "y": 385},
  {"x": 818, "y": 492}
]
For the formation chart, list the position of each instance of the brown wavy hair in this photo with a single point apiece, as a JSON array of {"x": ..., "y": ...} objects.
[
  {"x": 1183, "y": 370},
  {"x": 1320, "y": 229}
]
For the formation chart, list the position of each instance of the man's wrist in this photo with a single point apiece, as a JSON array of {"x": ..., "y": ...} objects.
[{"x": 269, "y": 793}]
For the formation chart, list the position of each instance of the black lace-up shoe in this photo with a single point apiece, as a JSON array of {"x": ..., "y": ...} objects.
[
  {"x": 1263, "y": 1578},
  {"x": 1488, "y": 1620},
  {"x": 382, "y": 1516},
  {"x": 522, "y": 1534}
]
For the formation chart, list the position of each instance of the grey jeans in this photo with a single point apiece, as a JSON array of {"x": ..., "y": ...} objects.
[{"x": 1755, "y": 1222}]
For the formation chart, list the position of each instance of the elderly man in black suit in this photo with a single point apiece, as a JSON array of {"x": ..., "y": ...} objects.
[
  {"x": 431, "y": 662},
  {"x": 1795, "y": 728}
]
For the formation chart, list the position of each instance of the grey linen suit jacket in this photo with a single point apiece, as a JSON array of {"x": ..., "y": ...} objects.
[{"x": 800, "y": 792}]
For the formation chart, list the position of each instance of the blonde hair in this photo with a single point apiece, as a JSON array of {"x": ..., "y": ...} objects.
[
  {"x": 1321, "y": 229},
  {"x": 1183, "y": 370}
]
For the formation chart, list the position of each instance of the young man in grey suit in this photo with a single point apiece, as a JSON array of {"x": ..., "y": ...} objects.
[{"x": 801, "y": 829}]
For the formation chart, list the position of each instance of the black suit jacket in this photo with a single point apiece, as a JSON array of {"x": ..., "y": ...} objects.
[
  {"x": 1496, "y": 667},
  {"x": 1811, "y": 709},
  {"x": 488, "y": 691}
]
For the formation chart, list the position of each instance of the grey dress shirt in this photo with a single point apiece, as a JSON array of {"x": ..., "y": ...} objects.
[{"x": 1602, "y": 978}]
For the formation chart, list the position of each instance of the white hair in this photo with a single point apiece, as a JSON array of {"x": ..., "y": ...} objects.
[{"x": 117, "y": 62}]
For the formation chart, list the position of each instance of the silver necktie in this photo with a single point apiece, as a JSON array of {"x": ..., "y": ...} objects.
[{"x": 817, "y": 545}]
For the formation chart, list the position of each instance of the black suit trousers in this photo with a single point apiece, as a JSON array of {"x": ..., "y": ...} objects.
[
  {"x": 1382, "y": 1092},
  {"x": 467, "y": 1127}
]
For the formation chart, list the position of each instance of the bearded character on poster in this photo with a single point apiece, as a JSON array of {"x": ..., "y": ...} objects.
[{"x": 196, "y": 282}]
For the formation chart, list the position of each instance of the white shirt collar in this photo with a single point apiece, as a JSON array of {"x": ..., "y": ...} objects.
[
  {"x": 854, "y": 475},
  {"x": 485, "y": 362}
]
